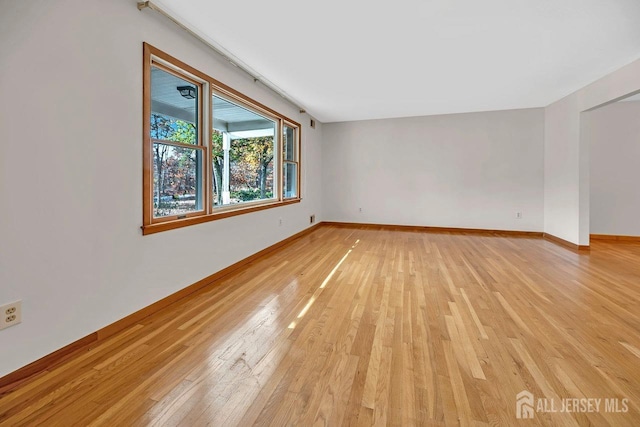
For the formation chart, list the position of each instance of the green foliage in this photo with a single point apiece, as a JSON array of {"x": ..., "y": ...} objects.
[
  {"x": 251, "y": 158},
  {"x": 250, "y": 194},
  {"x": 172, "y": 130},
  {"x": 184, "y": 132},
  {"x": 216, "y": 144}
]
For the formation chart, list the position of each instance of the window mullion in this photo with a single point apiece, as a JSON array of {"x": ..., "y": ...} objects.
[{"x": 175, "y": 143}]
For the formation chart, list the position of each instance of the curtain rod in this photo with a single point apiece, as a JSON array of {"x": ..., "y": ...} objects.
[{"x": 232, "y": 59}]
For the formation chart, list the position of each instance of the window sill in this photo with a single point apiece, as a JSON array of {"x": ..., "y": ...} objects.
[{"x": 179, "y": 223}]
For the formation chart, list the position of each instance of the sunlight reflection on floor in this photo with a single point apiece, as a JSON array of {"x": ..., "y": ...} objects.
[{"x": 322, "y": 286}]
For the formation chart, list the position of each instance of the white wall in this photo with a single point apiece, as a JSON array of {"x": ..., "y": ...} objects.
[
  {"x": 463, "y": 170},
  {"x": 71, "y": 174},
  {"x": 613, "y": 134},
  {"x": 561, "y": 198},
  {"x": 566, "y": 153}
]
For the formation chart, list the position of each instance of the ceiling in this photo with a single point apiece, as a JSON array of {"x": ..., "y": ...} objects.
[
  {"x": 632, "y": 98},
  {"x": 353, "y": 60},
  {"x": 165, "y": 98}
]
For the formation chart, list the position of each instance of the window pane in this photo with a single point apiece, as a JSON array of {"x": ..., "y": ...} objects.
[
  {"x": 290, "y": 180},
  {"x": 243, "y": 154},
  {"x": 177, "y": 174},
  {"x": 174, "y": 108},
  {"x": 289, "y": 136}
]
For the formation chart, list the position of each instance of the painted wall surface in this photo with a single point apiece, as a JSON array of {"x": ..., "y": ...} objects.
[
  {"x": 561, "y": 169},
  {"x": 613, "y": 134},
  {"x": 464, "y": 170},
  {"x": 71, "y": 173},
  {"x": 566, "y": 153}
]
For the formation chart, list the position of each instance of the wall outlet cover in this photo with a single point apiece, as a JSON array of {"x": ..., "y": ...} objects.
[{"x": 10, "y": 314}]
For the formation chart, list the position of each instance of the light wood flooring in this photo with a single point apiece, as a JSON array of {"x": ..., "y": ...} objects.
[{"x": 355, "y": 326}]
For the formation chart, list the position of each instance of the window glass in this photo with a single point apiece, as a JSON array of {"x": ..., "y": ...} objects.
[
  {"x": 290, "y": 180},
  {"x": 174, "y": 108},
  {"x": 176, "y": 180},
  {"x": 243, "y": 153},
  {"x": 177, "y": 169},
  {"x": 289, "y": 135}
]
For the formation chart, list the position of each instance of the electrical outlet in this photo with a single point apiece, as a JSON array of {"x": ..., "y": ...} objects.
[
  {"x": 360, "y": 210},
  {"x": 312, "y": 219},
  {"x": 11, "y": 314},
  {"x": 280, "y": 221},
  {"x": 518, "y": 215}
]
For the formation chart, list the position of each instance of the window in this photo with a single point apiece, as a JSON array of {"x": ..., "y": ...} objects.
[
  {"x": 209, "y": 151},
  {"x": 290, "y": 161},
  {"x": 244, "y": 146},
  {"x": 176, "y": 144}
]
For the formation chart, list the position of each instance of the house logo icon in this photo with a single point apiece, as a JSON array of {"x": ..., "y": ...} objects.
[{"x": 524, "y": 405}]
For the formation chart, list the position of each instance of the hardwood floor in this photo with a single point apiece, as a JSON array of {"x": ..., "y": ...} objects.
[{"x": 353, "y": 326}]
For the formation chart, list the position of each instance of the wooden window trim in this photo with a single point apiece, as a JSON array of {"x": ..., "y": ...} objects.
[
  {"x": 178, "y": 144},
  {"x": 151, "y": 224}
]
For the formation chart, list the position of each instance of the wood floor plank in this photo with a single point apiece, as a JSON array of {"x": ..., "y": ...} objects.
[{"x": 359, "y": 326}]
